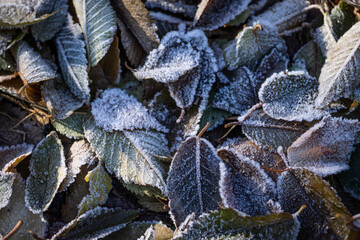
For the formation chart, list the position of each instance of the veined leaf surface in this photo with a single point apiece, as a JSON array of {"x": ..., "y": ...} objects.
[
  {"x": 6, "y": 183},
  {"x": 97, "y": 19}
]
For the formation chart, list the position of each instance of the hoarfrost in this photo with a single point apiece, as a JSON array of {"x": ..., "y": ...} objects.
[
  {"x": 10, "y": 156},
  {"x": 116, "y": 110},
  {"x": 6, "y": 182}
]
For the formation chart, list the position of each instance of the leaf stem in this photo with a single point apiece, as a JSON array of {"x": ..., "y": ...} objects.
[
  {"x": 244, "y": 117},
  {"x": 14, "y": 230},
  {"x": 203, "y": 130}
]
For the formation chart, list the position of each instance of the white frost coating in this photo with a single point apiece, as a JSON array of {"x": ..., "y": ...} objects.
[
  {"x": 10, "y": 154},
  {"x": 116, "y": 110},
  {"x": 6, "y": 182},
  {"x": 326, "y": 147},
  {"x": 290, "y": 96},
  {"x": 339, "y": 76},
  {"x": 159, "y": 16},
  {"x": 325, "y": 36},
  {"x": 282, "y": 15}
]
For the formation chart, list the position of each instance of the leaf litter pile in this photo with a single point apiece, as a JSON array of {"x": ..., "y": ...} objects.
[{"x": 179, "y": 119}]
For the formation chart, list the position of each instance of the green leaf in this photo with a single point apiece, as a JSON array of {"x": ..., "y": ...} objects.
[
  {"x": 6, "y": 182},
  {"x": 46, "y": 30},
  {"x": 71, "y": 126},
  {"x": 138, "y": 19},
  {"x": 300, "y": 186},
  {"x": 99, "y": 187},
  {"x": 96, "y": 223},
  {"x": 59, "y": 99},
  {"x": 97, "y": 19},
  {"x": 130, "y": 154},
  {"x": 10, "y": 156},
  {"x": 351, "y": 179},
  {"x": 15, "y": 14},
  {"x": 193, "y": 181},
  {"x": 339, "y": 75},
  {"x": 72, "y": 59},
  {"x": 291, "y": 96},
  {"x": 17, "y": 210},
  {"x": 227, "y": 224},
  {"x": 32, "y": 67},
  {"x": 271, "y": 133},
  {"x": 154, "y": 204},
  {"x": 47, "y": 171},
  {"x": 248, "y": 48}
]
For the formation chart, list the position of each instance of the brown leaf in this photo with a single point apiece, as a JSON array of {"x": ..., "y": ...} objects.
[
  {"x": 137, "y": 17},
  {"x": 111, "y": 62}
]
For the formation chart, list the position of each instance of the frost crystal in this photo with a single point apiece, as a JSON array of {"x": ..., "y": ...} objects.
[
  {"x": 290, "y": 96},
  {"x": 116, "y": 110},
  {"x": 184, "y": 61},
  {"x": 6, "y": 182},
  {"x": 12, "y": 155},
  {"x": 193, "y": 179},
  {"x": 244, "y": 186},
  {"x": 326, "y": 147}
]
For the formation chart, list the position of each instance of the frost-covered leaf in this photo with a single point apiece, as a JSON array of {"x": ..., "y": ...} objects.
[
  {"x": 154, "y": 204},
  {"x": 31, "y": 66},
  {"x": 271, "y": 133},
  {"x": 240, "y": 95},
  {"x": 16, "y": 210},
  {"x": 283, "y": 15},
  {"x": 325, "y": 36},
  {"x": 351, "y": 179},
  {"x": 228, "y": 224},
  {"x": 142, "y": 190},
  {"x": 300, "y": 186},
  {"x": 214, "y": 116},
  {"x": 290, "y": 96},
  {"x": 339, "y": 75},
  {"x": 326, "y": 147},
  {"x": 15, "y": 13},
  {"x": 71, "y": 126},
  {"x": 99, "y": 187},
  {"x": 97, "y": 19},
  {"x": 249, "y": 47},
  {"x": 5, "y": 38},
  {"x": 134, "y": 230},
  {"x": 130, "y": 155},
  {"x": 213, "y": 14},
  {"x": 45, "y": 30},
  {"x": 193, "y": 181},
  {"x": 6, "y": 183},
  {"x": 264, "y": 157},
  {"x": 10, "y": 156},
  {"x": 137, "y": 17},
  {"x": 80, "y": 155},
  {"x": 342, "y": 18},
  {"x": 116, "y": 110},
  {"x": 72, "y": 59},
  {"x": 310, "y": 57},
  {"x": 96, "y": 223},
  {"x": 244, "y": 186},
  {"x": 59, "y": 99},
  {"x": 47, "y": 171}
]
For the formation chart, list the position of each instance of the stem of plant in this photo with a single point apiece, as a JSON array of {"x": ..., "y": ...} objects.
[
  {"x": 203, "y": 130},
  {"x": 14, "y": 230}
]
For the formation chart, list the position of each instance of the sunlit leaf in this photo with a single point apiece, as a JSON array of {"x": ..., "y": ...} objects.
[
  {"x": 137, "y": 17},
  {"x": 97, "y": 20},
  {"x": 96, "y": 223},
  {"x": 15, "y": 14},
  {"x": 130, "y": 155},
  {"x": 72, "y": 59},
  {"x": 228, "y": 224},
  {"x": 6, "y": 183},
  {"x": 339, "y": 75},
  {"x": 291, "y": 96},
  {"x": 10, "y": 156},
  {"x": 47, "y": 170},
  {"x": 45, "y": 30},
  {"x": 250, "y": 45},
  {"x": 271, "y": 133},
  {"x": 16, "y": 210},
  {"x": 213, "y": 14},
  {"x": 71, "y": 126},
  {"x": 244, "y": 186},
  {"x": 99, "y": 187},
  {"x": 80, "y": 155},
  {"x": 193, "y": 181},
  {"x": 116, "y": 110},
  {"x": 31, "y": 66},
  {"x": 59, "y": 99},
  {"x": 326, "y": 147},
  {"x": 300, "y": 186}
]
